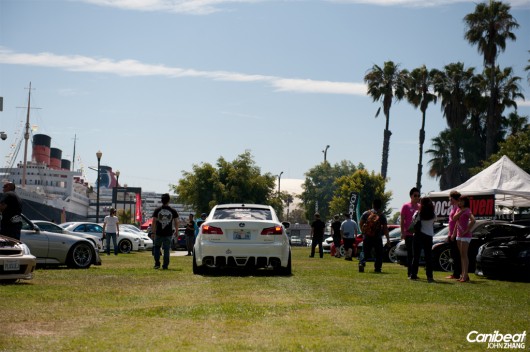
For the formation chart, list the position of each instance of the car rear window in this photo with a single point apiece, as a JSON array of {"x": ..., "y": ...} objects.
[{"x": 243, "y": 214}]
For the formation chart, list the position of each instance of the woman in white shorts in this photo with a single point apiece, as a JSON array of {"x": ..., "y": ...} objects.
[{"x": 464, "y": 223}]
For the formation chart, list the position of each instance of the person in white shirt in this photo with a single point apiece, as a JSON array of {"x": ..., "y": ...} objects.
[{"x": 111, "y": 229}]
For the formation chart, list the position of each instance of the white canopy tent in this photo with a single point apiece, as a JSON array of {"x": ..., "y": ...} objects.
[{"x": 504, "y": 179}]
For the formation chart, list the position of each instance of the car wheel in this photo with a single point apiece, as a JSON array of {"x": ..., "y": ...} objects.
[
  {"x": 197, "y": 270},
  {"x": 125, "y": 246},
  {"x": 342, "y": 251},
  {"x": 443, "y": 259},
  {"x": 288, "y": 269},
  {"x": 8, "y": 281},
  {"x": 392, "y": 255},
  {"x": 80, "y": 256}
]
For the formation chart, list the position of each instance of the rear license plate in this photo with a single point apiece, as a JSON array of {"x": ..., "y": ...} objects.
[
  {"x": 11, "y": 265},
  {"x": 242, "y": 235}
]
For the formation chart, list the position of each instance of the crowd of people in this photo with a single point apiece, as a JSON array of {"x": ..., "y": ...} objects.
[{"x": 417, "y": 219}]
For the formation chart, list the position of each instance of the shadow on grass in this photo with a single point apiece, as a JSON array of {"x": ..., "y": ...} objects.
[{"x": 242, "y": 272}]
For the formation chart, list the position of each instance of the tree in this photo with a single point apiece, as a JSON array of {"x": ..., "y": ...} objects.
[
  {"x": 489, "y": 27},
  {"x": 419, "y": 95},
  {"x": 239, "y": 181},
  {"x": 386, "y": 84},
  {"x": 516, "y": 147},
  {"x": 515, "y": 123},
  {"x": 319, "y": 186},
  {"x": 368, "y": 185}
]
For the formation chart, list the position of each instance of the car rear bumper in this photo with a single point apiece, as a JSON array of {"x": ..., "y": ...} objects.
[{"x": 242, "y": 255}]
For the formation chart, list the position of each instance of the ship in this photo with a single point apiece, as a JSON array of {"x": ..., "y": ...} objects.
[{"x": 47, "y": 186}]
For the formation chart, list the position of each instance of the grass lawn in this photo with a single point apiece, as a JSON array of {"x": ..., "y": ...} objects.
[{"x": 326, "y": 305}]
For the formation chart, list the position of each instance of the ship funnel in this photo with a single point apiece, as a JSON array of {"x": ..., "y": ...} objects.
[
  {"x": 65, "y": 164},
  {"x": 41, "y": 148},
  {"x": 55, "y": 158}
]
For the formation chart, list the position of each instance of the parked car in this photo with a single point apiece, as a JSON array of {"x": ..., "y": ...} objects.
[
  {"x": 16, "y": 261},
  {"x": 295, "y": 241},
  {"x": 389, "y": 251},
  {"x": 148, "y": 242},
  {"x": 127, "y": 241},
  {"x": 329, "y": 242},
  {"x": 483, "y": 231},
  {"x": 52, "y": 248},
  {"x": 52, "y": 227},
  {"x": 242, "y": 235},
  {"x": 507, "y": 258},
  {"x": 178, "y": 241}
]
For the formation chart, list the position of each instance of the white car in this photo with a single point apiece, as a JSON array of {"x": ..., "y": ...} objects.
[
  {"x": 242, "y": 235},
  {"x": 16, "y": 261},
  {"x": 148, "y": 242},
  {"x": 127, "y": 241}
]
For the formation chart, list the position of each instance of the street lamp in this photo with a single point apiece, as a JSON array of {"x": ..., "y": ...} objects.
[
  {"x": 117, "y": 173},
  {"x": 325, "y": 151},
  {"x": 279, "y": 178},
  {"x": 98, "y": 155}
]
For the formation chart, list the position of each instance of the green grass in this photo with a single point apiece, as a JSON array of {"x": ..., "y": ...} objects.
[{"x": 326, "y": 305}]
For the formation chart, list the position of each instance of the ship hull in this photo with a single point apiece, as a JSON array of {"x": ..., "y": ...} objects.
[{"x": 39, "y": 211}]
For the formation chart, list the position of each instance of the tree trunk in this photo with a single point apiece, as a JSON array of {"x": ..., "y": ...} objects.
[
  {"x": 386, "y": 147},
  {"x": 420, "y": 166}
]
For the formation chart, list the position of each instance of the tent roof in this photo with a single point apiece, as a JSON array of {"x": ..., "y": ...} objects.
[{"x": 508, "y": 182}]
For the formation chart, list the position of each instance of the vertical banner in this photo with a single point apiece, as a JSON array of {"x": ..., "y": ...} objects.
[
  {"x": 354, "y": 200},
  {"x": 138, "y": 207}
]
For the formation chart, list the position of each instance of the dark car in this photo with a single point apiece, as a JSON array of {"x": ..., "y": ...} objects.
[
  {"x": 507, "y": 258},
  {"x": 179, "y": 241},
  {"x": 389, "y": 250}
]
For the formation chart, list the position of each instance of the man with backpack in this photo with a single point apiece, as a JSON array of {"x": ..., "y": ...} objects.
[{"x": 373, "y": 225}]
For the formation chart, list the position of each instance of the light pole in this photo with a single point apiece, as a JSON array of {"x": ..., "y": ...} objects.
[
  {"x": 279, "y": 178},
  {"x": 325, "y": 151},
  {"x": 99, "y": 154},
  {"x": 117, "y": 173}
]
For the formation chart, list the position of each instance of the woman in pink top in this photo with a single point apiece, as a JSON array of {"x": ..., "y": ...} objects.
[
  {"x": 454, "y": 196},
  {"x": 462, "y": 232}
]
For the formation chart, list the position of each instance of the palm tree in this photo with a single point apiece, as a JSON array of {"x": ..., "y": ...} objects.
[
  {"x": 506, "y": 91},
  {"x": 386, "y": 84},
  {"x": 515, "y": 123},
  {"x": 489, "y": 27},
  {"x": 419, "y": 95}
]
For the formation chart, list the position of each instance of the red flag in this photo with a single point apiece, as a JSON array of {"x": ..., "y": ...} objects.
[{"x": 138, "y": 207}]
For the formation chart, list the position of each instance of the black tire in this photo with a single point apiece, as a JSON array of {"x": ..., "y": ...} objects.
[
  {"x": 443, "y": 260},
  {"x": 197, "y": 270},
  {"x": 125, "y": 246},
  {"x": 392, "y": 255},
  {"x": 342, "y": 251},
  {"x": 287, "y": 271},
  {"x": 81, "y": 256},
  {"x": 8, "y": 281}
]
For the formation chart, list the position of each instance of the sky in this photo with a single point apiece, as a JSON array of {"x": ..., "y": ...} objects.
[{"x": 161, "y": 85}]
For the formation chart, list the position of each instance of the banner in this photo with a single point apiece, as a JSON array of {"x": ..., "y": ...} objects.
[
  {"x": 354, "y": 199},
  {"x": 138, "y": 207},
  {"x": 482, "y": 206}
]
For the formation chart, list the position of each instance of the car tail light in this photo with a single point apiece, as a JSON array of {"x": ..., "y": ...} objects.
[
  {"x": 276, "y": 230},
  {"x": 211, "y": 230}
]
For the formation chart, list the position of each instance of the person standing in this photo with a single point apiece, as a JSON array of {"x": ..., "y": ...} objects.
[
  {"x": 165, "y": 219},
  {"x": 11, "y": 208},
  {"x": 407, "y": 211},
  {"x": 454, "y": 196},
  {"x": 373, "y": 226},
  {"x": 423, "y": 239},
  {"x": 189, "y": 231},
  {"x": 317, "y": 235},
  {"x": 335, "y": 232},
  {"x": 348, "y": 232},
  {"x": 464, "y": 223},
  {"x": 111, "y": 230}
]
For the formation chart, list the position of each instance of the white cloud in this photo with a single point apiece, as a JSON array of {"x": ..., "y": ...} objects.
[
  {"x": 130, "y": 67},
  {"x": 206, "y": 7}
]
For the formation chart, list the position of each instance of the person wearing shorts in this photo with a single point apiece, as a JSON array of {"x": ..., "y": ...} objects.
[
  {"x": 348, "y": 232},
  {"x": 462, "y": 233}
]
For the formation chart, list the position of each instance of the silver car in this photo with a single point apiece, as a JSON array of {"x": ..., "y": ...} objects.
[
  {"x": 57, "y": 248},
  {"x": 52, "y": 227}
]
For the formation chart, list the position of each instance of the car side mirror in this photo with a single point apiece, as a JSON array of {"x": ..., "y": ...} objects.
[
  {"x": 286, "y": 224},
  {"x": 36, "y": 228}
]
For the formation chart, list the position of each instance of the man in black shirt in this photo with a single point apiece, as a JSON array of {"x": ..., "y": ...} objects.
[
  {"x": 11, "y": 208},
  {"x": 317, "y": 234},
  {"x": 165, "y": 222}
]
